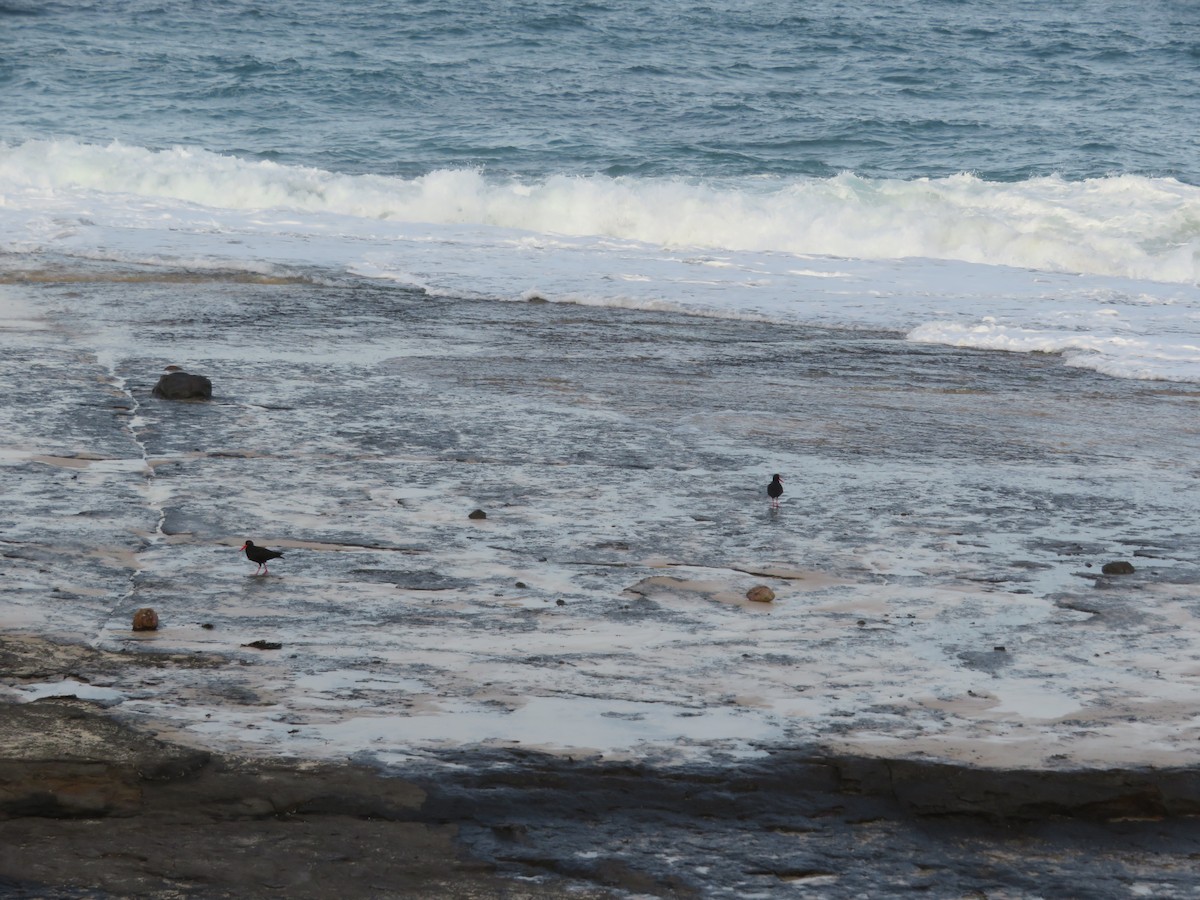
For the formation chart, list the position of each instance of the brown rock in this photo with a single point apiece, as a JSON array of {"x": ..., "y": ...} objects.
[
  {"x": 145, "y": 619},
  {"x": 477, "y": 514},
  {"x": 1120, "y": 567},
  {"x": 760, "y": 593}
]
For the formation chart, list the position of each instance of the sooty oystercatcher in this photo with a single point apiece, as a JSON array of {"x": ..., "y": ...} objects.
[
  {"x": 775, "y": 491},
  {"x": 260, "y": 555}
]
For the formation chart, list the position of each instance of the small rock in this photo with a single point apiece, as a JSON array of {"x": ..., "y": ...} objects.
[
  {"x": 477, "y": 514},
  {"x": 521, "y": 584},
  {"x": 760, "y": 593},
  {"x": 145, "y": 619},
  {"x": 999, "y": 649},
  {"x": 207, "y": 626},
  {"x": 179, "y": 385},
  {"x": 1120, "y": 567},
  {"x": 561, "y": 602},
  {"x": 862, "y": 623},
  {"x": 264, "y": 645}
]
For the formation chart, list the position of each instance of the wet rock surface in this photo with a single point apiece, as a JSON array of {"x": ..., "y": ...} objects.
[
  {"x": 833, "y": 827},
  {"x": 591, "y": 641},
  {"x": 127, "y": 816},
  {"x": 92, "y": 807}
]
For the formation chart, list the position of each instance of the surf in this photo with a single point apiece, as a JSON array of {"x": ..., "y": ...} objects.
[{"x": 1126, "y": 226}]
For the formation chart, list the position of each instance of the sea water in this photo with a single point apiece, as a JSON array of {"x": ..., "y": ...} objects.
[
  {"x": 773, "y": 237},
  {"x": 1020, "y": 177}
]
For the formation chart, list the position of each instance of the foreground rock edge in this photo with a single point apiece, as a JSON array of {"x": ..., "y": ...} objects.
[
  {"x": 87, "y": 802},
  {"x": 66, "y": 764}
]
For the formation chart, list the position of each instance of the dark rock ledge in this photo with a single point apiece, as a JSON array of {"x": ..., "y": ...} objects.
[{"x": 90, "y": 807}]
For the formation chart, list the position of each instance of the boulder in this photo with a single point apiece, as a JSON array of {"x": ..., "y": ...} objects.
[
  {"x": 179, "y": 385},
  {"x": 1120, "y": 567},
  {"x": 145, "y": 619},
  {"x": 477, "y": 514},
  {"x": 760, "y": 593}
]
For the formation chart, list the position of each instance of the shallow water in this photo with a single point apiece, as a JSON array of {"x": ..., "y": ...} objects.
[{"x": 939, "y": 504}]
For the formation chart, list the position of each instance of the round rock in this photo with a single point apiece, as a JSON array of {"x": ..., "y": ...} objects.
[
  {"x": 183, "y": 386},
  {"x": 145, "y": 619}
]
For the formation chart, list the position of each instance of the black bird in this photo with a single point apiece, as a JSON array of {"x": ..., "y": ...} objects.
[
  {"x": 774, "y": 491},
  {"x": 260, "y": 555}
]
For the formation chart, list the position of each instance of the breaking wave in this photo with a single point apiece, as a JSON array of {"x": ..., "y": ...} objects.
[{"x": 1121, "y": 226}]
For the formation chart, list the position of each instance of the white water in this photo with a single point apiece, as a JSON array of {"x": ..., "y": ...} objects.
[{"x": 1104, "y": 271}]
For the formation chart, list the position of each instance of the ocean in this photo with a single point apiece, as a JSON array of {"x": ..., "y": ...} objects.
[
  {"x": 599, "y": 271},
  {"x": 1024, "y": 177}
]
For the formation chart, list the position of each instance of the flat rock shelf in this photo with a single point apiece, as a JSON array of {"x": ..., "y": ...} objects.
[{"x": 948, "y": 692}]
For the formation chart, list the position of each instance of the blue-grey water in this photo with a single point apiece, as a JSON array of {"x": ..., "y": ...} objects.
[{"x": 898, "y": 89}]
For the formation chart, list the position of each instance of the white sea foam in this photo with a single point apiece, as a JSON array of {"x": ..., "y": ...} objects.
[
  {"x": 1038, "y": 265},
  {"x": 1122, "y": 226}
]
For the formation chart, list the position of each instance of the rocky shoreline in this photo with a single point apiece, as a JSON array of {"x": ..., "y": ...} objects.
[
  {"x": 93, "y": 807},
  {"x": 573, "y": 695},
  {"x": 90, "y": 806}
]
